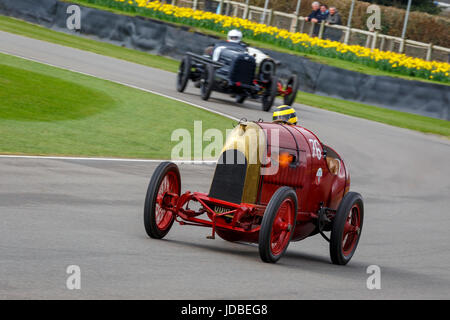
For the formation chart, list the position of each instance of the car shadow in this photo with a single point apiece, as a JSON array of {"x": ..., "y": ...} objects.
[
  {"x": 291, "y": 260},
  {"x": 245, "y": 250},
  {"x": 294, "y": 261}
]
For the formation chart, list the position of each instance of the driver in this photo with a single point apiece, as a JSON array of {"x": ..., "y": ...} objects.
[
  {"x": 234, "y": 42},
  {"x": 285, "y": 114},
  {"x": 234, "y": 36}
]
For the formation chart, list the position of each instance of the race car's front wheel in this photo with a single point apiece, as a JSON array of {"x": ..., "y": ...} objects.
[
  {"x": 165, "y": 180},
  {"x": 271, "y": 93},
  {"x": 291, "y": 90},
  {"x": 278, "y": 224},
  {"x": 346, "y": 229},
  {"x": 184, "y": 73},
  {"x": 207, "y": 82}
]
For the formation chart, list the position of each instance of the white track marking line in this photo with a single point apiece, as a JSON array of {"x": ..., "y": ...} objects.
[
  {"x": 123, "y": 83},
  {"x": 194, "y": 162}
]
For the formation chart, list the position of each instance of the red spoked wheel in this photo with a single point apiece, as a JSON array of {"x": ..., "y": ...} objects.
[
  {"x": 346, "y": 229},
  {"x": 352, "y": 229},
  {"x": 164, "y": 183},
  {"x": 278, "y": 224},
  {"x": 282, "y": 227}
]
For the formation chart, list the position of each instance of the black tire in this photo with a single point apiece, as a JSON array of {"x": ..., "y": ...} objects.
[
  {"x": 184, "y": 73},
  {"x": 294, "y": 83},
  {"x": 270, "y": 95},
  {"x": 151, "y": 226},
  {"x": 265, "y": 244},
  {"x": 207, "y": 82},
  {"x": 338, "y": 254},
  {"x": 240, "y": 98}
]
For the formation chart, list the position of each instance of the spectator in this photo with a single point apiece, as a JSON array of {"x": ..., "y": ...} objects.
[
  {"x": 323, "y": 13},
  {"x": 334, "y": 17},
  {"x": 315, "y": 12}
]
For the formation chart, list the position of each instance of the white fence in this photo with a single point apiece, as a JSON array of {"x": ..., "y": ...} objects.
[{"x": 292, "y": 22}]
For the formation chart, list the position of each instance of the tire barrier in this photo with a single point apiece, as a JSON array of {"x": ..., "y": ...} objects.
[{"x": 165, "y": 39}]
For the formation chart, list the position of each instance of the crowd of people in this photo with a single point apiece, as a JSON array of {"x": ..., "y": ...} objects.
[{"x": 321, "y": 12}]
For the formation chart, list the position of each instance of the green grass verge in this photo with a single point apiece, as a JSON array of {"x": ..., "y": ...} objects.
[
  {"x": 50, "y": 111},
  {"x": 383, "y": 115},
  {"x": 396, "y": 118}
]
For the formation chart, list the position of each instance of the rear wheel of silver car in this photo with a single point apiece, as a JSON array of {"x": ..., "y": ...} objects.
[
  {"x": 184, "y": 73},
  {"x": 291, "y": 88},
  {"x": 278, "y": 225},
  {"x": 240, "y": 98},
  {"x": 207, "y": 82},
  {"x": 270, "y": 95}
]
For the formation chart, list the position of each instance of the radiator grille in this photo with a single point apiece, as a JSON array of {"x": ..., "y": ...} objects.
[
  {"x": 229, "y": 177},
  {"x": 243, "y": 69}
]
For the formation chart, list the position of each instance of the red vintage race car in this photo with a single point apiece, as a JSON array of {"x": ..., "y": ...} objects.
[{"x": 274, "y": 183}]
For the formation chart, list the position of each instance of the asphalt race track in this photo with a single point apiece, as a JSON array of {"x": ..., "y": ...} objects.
[{"x": 55, "y": 213}]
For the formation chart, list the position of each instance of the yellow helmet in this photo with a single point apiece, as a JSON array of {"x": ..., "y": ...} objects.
[{"x": 285, "y": 114}]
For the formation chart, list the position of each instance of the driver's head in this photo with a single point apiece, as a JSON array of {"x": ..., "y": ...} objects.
[
  {"x": 234, "y": 36},
  {"x": 285, "y": 114}
]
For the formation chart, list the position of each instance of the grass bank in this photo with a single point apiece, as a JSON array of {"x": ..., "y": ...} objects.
[
  {"x": 50, "y": 111},
  {"x": 383, "y": 115}
]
